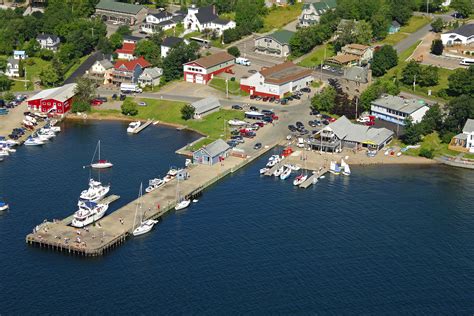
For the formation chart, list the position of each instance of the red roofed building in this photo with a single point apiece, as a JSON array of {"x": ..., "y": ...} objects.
[
  {"x": 202, "y": 70},
  {"x": 129, "y": 70},
  {"x": 126, "y": 51},
  {"x": 57, "y": 100}
]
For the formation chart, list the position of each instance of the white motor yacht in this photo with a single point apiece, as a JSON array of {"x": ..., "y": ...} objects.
[
  {"x": 133, "y": 126},
  {"x": 279, "y": 171},
  {"x": 3, "y": 205},
  {"x": 33, "y": 141},
  {"x": 264, "y": 170},
  {"x": 300, "y": 179},
  {"x": 171, "y": 174},
  {"x": 154, "y": 184},
  {"x": 285, "y": 174},
  {"x": 88, "y": 213},
  {"x": 95, "y": 192}
]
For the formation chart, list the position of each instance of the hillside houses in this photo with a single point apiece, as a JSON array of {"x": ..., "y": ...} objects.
[
  {"x": 199, "y": 19},
  {"x": 312, "y": 12}
]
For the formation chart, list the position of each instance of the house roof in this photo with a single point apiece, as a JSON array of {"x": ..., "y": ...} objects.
[
  {"x": 107, "y": 64},
  {"x": 395, "y": 23},
  {"x": 60, "y": 94},
  {"x": 461, "y": 136},
  {"x": 171, "y": 41},
  {"x": 220, "y": 21},
  {"x": 206, "y": 14},
  {"x": 213, "y": 60},
  {"x": 469, "y": 126},
  {"x": 343, "y": 59},
  {"x": 284, "y": 72},
  {"x": 54, "y": 38},
  {"x": 466, "y": 30},
  {"x": 131, "y": 38},
  {"x": 216, "y": 148},
  {"x": 282, "y": 36},
  {"x": 19, "y": 52},
  {"x": 400, "y": 104},
  {"x": 162, "y": 15},
  {"x": 132, "y": 64},
  {"x": 205, "y": 105},
  {"x": 357, "y": 73},
  {"x": 127, "y": 48},
  {"x": 166, "y": 22},
  {"x": 346, "y": 130},
  {"x": 153, "y": 73},
  {"x": 321, "y": 6},
  {"x": 13, "y": 61},
  {"x": 355, "y": 46},
  {"x": 120, "y": 7}
]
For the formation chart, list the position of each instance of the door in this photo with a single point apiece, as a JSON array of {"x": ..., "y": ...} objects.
[
  {"x": 199, "y": 79},
  {"x": 189, "y": 78}
]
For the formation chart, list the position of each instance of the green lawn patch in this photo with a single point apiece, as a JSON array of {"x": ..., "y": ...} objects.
[
  {"x": 193, "y": 34},
  {"x": 314, "y": 58},
  {"x": 415, "y": 23},
  {"x": 32, "y": 74},
  {"x": 75, "y": 66},
  {"x": 175, "y": 31},
  {"x": 234, "y": 86},
  {"x": 280, "y": 16},
  {"x": 432, "y": 142},
  {"x": 393, "y": 39}
]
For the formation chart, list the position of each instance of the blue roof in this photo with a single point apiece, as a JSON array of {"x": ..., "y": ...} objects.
[{"x": 19, "y": 52}]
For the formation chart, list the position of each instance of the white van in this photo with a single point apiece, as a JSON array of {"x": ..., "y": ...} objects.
[
  {"x": 300, "y": 142},
  {"x": 130, "y": 87},
  {"x": 242, "y": 61},
  {"x": 467, "y": 62}
]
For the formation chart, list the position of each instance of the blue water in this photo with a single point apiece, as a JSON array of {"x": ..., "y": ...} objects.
[{"x": 387, "y": 240}]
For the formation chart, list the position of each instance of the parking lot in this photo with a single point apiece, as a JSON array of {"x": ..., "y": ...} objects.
[{"x": 247, "y": 50}]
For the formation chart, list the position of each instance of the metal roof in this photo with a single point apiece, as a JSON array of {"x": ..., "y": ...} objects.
[
  {"x": 282, "y": 37},
  {"x": 356, "y": 73},
  {"x": 153, "y": 73},
  {"x": 216, "y": 148},
  {"x": 466, "y": 30},
  {"x": 469, "y": 126},
  {"x": 205, "y": 105},
  {"x": 348, "y": 131},
  {"x": 171, "y": 41},
  {"x": 400, "y": 104},
  {"x": 60, "y": 94},
  {"x": 121, "y": 7}
]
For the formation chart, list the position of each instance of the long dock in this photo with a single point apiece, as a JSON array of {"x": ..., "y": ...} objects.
[
  {"x": 313, "y": 179},
  {"x": 114, "y": 228},
  {"x": 143, "y": 126}
]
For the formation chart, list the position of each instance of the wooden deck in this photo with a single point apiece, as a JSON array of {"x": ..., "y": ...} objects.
[
  {"x": 313, "y": 179},
  {"x": 143, "y": 126}
]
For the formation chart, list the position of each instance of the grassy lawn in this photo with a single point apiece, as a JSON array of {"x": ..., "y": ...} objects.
[
  {"x": 175, "y": 31},
  {"x": 219, "y": 84},
  {"x": 193, "y": 34},
  {"x": 32, "y": 74},
  {"x": 316, "y": 56},
  {"x": 75, "y": 66},
  {"x": 280, "y": 16},
  {"x": 414, "y": 24},
  {"x": 432, "y": 142},
  {"x": 393, "y": 39}
]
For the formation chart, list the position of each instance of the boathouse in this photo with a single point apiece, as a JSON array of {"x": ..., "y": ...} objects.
[
  {"x": 213, "y": 153},
  {"x": 57, "y": 100},
  {"x": 205, "y": 106}
]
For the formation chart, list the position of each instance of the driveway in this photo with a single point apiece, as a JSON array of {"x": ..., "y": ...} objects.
[
  {"x": 247, "y": 50},
  {"x": 423, "y": 54}
]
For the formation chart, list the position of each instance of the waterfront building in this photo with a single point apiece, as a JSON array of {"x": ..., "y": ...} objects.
[
  {"x": 277, "y": 81},
  {"x": 120, "y": 12},
  {"x": 397, "y": 109},
  {"x": 345, "y": 134},
  {"x": 57, "y": 100},
  {"x": 202, "y": 70},
  {"x": 213, "y": 153},
  {"x": 464, "y": 141},
  {"x": 274, "y": 44},
  {"x": 102, "y": 70},
  {"x": 206, "y": 18},
  {"x": 48, "y": 41},
  {"x": 205, "y": 106}
]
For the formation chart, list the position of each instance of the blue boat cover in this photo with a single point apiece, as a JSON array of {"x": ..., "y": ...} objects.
[{"x": 90, "y": 204}]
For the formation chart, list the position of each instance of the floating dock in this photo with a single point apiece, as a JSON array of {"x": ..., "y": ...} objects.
[
  {"x": 143, "y": 126},
  {"x": 313, "y": 179},
  {"x": 114, "y": 228}
]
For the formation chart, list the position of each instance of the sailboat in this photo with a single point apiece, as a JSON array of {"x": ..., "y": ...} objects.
[
  {"x": 101, "y": 163},
  {"x": 334, "y": 168},
  {"x": 346, "y": 170},
  {"x": 182, "y": 202},
  {"x": 145, "y": 226}
]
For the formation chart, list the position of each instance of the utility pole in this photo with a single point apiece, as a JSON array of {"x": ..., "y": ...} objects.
[
  {"x": 414, "y": 82},
  {"x": 227, "y": 88},
  {"x": 427, "y": 7},
  {"x": 357, "y": 103}
]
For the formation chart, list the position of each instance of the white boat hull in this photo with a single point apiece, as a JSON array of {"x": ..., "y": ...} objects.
[
  {"x": 95, "y": 216},
  {"x": 4, "y": 207},
  {"x": 144, "y": 227},
  {"x": 102, "y": 165},
  {"x": 285, "y": 174},
  {"x": 299, "y": 180},
  {"x": 182, "y": 205}
]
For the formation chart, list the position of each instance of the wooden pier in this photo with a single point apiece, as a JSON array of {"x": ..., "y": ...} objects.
[
  {"x": 273, "y": 169},
  {"x": 143, "y": 126},
  {"x": 114, "y": 228},
  {"x": 313, "y": 179}
]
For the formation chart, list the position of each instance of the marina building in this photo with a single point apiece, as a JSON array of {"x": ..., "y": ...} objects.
[
  {"x": 58, "y": 100},
  {"x": 277, "y": 81},
  {"x": 205, "y": 106},
  {"x": 212, "y": 154},
  {"x": 464, "y": 141},
  {"x": 397, "y": 109},
  {"x": 345, "y": 134},
  {"x": 202, "y": 70}
]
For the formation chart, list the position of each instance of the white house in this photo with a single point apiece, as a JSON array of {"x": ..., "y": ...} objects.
[
  {"x": 168, "y": 43},
  {"x": 465, "y": 140},
  {"x": 278, "y": 80},
  {"x": 150, "y": 77},
  {"x": 48, "y": 41},
  {"x": 13, "y": 67},
  {"x": 463, "y": 35},
  {"x": 202, "y": 70},
  {"x": 19, "y": 54},
  {"x": 126, "y": 51},
  {"x": 396, "y": 109},
  {"x": 153, "y": 20},
  {"x": 102, "y": 69},
  {"x": 312, "y": 12},
  {"x": 199, "y": 19}
]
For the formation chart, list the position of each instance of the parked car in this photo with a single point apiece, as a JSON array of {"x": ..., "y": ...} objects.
[
  {"x": 258, "y": 98},
  {"x": 297, "y": 97},
  {"x": 122, "y": 97},
  {"x": 271, "y": 99},
  {"x": 103, "y": 99},
  {"x": 306, "y": 89},
  {"x": 267, "y": 119},
  {"x": 253, "y": 108},
  {"x": 299, "y": 124},
  {"x": 332, "y": 119},
  {"x": 257, "y": 146},
  {"x": 313, "y": 112},
  {"x": 267, "y": 112},
  {"x": 325, "y": 116},
  {"x": 252, "y": 96},
  {"x": 260, "y": 124},
  {"x": 284, "y": 101},
  {"x": 96, "y": 102},
  {"x": 232, "y": 143},
  {"x": 142, "y": 103},
  {"x": 237, "y": 107},
  {"x": 325, "y": 122},
  {"x": 114, "y": 96},
  {"x": 312, "y": 123},
  {"x": 265, "y": 99}
]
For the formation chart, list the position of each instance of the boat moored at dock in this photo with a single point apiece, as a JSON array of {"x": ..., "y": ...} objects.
[
  {"x": 133, "y": 127},
  {"x": 88, "y": 213},
  {"x": 95, "y": 192}
]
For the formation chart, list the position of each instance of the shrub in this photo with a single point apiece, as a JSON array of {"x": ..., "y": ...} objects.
[
  {"x": 187, "y": 112},
  {"x": 129, "y": 107},
  {"x": 79, "y": 106},
  {"x": 427, "y": 153},
  {"x": 234, "y": 51}
]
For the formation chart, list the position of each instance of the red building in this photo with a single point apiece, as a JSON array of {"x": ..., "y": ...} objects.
[
  {"x": 57, "y": 100},
  {"x": 126, "y": 51},
  {"x": 202, "y": 70}
]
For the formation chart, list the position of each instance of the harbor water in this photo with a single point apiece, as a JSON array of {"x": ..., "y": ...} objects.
[{"x": 386, "y": 240}]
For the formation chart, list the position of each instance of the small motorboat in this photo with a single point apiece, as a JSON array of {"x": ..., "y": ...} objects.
[
  {"x": 32, "y": 141},
  {"x": 171, "y": 174},
  {"x": 154, "y": 184},
  {"x": 285, "y": 174},
  {"x": 3, "y": 205},
  {"x": 133, "y": 126},
  {"x": 279, "y": 171},
  {"x": 182, "y": 205},
  {"x": 264, "y": 170},
  {"x": 293, "y": 167},
  {"x": 195, "y": 200},
  {"x": 144, "y": 227},
  {"x": 237, "y": 123},
  {"x": 4, "y": 152},
  {"x": 300, "y": 179}
]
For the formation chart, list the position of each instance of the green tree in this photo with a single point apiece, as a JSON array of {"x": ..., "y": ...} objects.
[
  {"x": 432, "y": 120},
  {"x": 187, "y": 112},
  {"x": 129, "y": 107},
  {"x": 46, "y": 54},
  {"x": 411, "y": 72},
  {"x": 85, "y": 90},
  {"x": 375, "y": 90},
  {"x": 179, "y": 55},
  {"x": 49, "y": 77},
  {"x": 9, "y": 96},
  {"x": 123, "y": 30},
  {"x": 116, "y": 40},
  {"x": 464, "y": 7},
  {"x": 412, "y": 132},
  {"x": 234, "y": 51},
  {"x": 437, "y": 47},
  {"x": 3, "y": 63},
  {"x": 5, "y": 83},
  {"x": 324, "y": 101},
  {"x": 426, "y": 152},
  {"x": 429, "y": 76},
  {"x": 248, "y": 15},
  {"x": 461, "y": 82},
  {"x": 363, "y": 33},
  {"x": 437, "y": 25},
  {"x": 149, "y": 50},
  {"x": 80, "y": 106},
  {"x": 384, "y": 59},
  {"x": 459, "y": 110},
  {"x": 21, "y": 68},
  {"x": 380, "y": 24}
]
